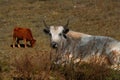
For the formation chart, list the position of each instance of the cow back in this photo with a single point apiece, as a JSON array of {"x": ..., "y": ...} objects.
[{"x": 22, "y": 33}]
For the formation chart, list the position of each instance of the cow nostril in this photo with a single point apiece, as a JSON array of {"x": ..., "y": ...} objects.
[{"x": 54, "y": 45}]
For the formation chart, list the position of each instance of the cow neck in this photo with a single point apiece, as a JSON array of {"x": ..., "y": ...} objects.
[{"x": 64, "y": 45}]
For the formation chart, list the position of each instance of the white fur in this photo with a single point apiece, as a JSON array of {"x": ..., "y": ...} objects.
[
  {"x": 77, "y": 45},
  {"x": 55, "y": 31}
]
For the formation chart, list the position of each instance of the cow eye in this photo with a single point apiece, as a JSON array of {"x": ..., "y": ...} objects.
[{"x": 60, "y": 34}]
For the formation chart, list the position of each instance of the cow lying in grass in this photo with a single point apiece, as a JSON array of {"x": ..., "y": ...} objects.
[
  {"x": 23, "y": 34},
  {"x": 82, "y": 47}
]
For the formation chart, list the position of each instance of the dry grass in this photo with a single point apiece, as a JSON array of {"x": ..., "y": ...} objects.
[
  {"x": 88, "y": 16},
  {"x": 27, "y": 65},
  {"x": 34, "y": 66},
  {"x": 38, "y": 66}
]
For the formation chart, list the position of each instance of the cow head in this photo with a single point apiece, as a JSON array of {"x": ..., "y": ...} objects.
[
  {"x": 32, "y": 42},
  {"x": 56, "y": 33}
]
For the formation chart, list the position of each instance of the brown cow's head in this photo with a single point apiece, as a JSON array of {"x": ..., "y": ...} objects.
[
  {"x": 32, "y": 42},
  {"x": 57, "y": 33}
]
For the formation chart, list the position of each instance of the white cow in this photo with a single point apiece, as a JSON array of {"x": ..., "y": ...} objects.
[{"x": 82, "y": 46}]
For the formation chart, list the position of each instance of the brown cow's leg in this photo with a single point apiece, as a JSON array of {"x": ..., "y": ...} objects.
[
  {"x": 18, "y": 43},
  {"x": 14, "y": 41},
  {"x": 25, "y": 43}
]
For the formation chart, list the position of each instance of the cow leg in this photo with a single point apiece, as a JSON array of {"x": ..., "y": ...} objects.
[
  {"x": 25, "y": 43},
  {"x": 18, "y": 43},
  {"x": 115, "y": 59},
  {"x": 14, "y": 41}
]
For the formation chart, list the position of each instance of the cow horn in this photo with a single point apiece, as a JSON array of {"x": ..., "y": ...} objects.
[
  {"x": 45, "y": 24},
  {"x": 65, "y": 26}
]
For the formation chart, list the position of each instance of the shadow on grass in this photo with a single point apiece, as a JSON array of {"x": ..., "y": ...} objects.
[{"x": 21, "y": 45}]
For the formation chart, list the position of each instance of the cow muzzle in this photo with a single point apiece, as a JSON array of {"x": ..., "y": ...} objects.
[{"x": 54, "y": 45}]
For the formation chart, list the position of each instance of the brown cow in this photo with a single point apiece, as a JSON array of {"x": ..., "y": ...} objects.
[{"x": 23, "y": 34}]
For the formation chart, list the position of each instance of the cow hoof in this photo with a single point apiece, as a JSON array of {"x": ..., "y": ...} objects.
[
  {"x": 25, "y": 46},
  {"x": 18, "y": 46},
  {"x": 13, "y": 46}
]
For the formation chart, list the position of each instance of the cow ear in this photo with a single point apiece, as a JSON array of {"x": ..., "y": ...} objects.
[
  {"x": 66, "y": 31},
  {"x": 64, "y": 36},
  {"x": 46, "y": 31}
]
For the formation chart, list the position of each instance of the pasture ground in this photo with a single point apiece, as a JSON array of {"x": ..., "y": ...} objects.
[{"x": 95, "y": 17}]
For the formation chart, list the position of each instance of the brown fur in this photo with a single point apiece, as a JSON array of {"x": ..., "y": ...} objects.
[
  {"x": 23, "y": 34},
  {"x": 76, "y": 35}
]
